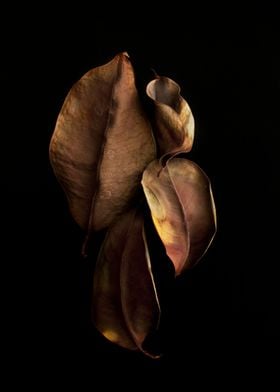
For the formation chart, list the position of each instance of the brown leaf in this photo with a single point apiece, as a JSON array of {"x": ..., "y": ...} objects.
[
  {"x": 101, "y": 144},
  {"x": 174, "y": 122},
  {"x": 182, "y": 208},
  {"x": 125, "y": 302},
  {"x": 107, "y": 310}
]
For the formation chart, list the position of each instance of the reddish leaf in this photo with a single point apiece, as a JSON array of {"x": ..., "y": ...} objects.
[{"x": 182, "y": 208}]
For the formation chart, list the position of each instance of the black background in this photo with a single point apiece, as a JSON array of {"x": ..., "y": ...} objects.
[{"x": 222, "y": 317}]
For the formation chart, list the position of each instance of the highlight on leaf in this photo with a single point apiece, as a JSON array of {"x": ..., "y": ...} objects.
[
  {"x": 174, "y": 122},
  {"x": 182, "y": 208},
  {"x": 125, "y": 302}
]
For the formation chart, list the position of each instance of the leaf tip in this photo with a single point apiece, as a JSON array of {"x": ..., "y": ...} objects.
[{"x": 125, "y": 54}]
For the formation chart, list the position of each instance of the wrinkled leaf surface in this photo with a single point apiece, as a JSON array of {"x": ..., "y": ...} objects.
[{"x": 101, "y": 144}]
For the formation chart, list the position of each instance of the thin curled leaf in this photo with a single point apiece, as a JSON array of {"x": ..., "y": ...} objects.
[
  {"x": 101, "y": 144},
  {"x": 182, "y": 208},
  {"x": 125, "y": 302},
  {"x": 174, "y": 122}
]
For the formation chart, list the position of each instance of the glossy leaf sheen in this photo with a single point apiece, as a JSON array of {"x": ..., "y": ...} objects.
[
  {"x": 101, "y": 144},
  {"x": 125, "y": 303},
  {"x": 174, "y": 122},
  {"x": 182, "y": 207}
]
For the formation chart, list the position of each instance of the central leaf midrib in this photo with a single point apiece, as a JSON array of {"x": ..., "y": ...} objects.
[{"x": 101, "y": 151}]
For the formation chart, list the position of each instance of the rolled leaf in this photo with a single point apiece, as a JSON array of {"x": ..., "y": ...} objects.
[
  {"x": 101, "y": 144},
  {"x": 107, "y": 313},
  {"x": 125, "y": 302},
  {"x": 174, "y": 122},
  {"x": 182, "y": 208}
]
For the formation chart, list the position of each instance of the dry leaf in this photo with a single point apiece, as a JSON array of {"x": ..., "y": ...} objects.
[
  {"x": 101, "y": 144},
  {"x": 174, "y": 122},
  {"x": 125, "y": 302},
  {"x": 182, "y": 208},
  {"x": 101, "y": 147}
]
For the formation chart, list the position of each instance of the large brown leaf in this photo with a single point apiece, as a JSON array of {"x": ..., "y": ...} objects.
[
  {"x": 182, "y": 208},
  {"x": 174, "y": 122},
  {"x": 125, "y": 302},
  {"x": 101, "y": 144}
]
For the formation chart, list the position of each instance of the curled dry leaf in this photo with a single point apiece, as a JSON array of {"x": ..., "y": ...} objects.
[
  {"x": 125, "y": 302},
  {"x": 182, "y": 208},
  {"x": 174, "y": 122},
  {"x": 101, "y": 144}
]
